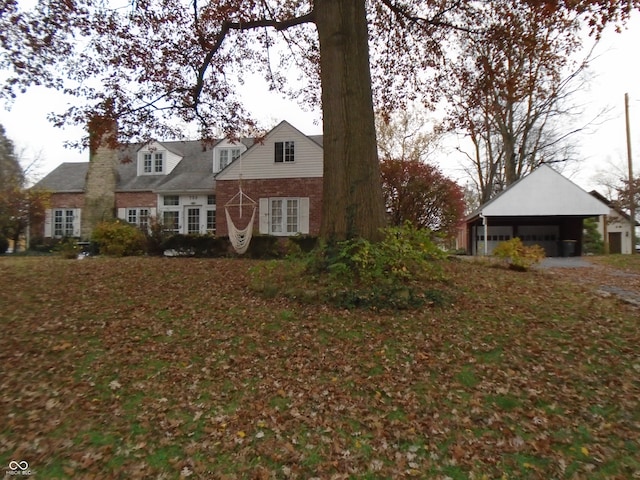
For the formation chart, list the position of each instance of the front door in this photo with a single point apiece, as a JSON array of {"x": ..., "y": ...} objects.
[
  {"x": 615, "y": 242},
  {"x": 192, "y": 214}
]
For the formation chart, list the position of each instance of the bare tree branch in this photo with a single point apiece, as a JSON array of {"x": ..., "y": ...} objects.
[{"x": 227, "y": 26}]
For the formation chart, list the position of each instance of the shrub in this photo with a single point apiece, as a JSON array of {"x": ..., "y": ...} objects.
[
  {"x": 197, "y": 245},
  {"x": 67, "y": 248},
  {"x": 302, "y": 243},
  {"x": 264, "y": 247},
  {"x": 391, "y": 273},
  {"x": 44, "y": 245},
  {"x": 519, "y": 256},
  {"x": 156, "y": 236},
  {"x": 119, "y": 239}
]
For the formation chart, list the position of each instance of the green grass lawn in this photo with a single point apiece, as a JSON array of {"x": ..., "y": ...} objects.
[{"x": 169, "y": 368}]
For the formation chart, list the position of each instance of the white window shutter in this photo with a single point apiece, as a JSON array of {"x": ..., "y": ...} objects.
[
  {"x": 76, "y": 222},
  {"x": 264, "y": 216},
  {"x": 303, "y": 209},
  {"x": 48, "y": 215},
  {"x": 122, "y": 213},
  {"x": 153, "y": 212}
]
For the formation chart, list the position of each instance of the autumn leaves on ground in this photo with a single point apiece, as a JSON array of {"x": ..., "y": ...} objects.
[{"x": 168, "y": 368}]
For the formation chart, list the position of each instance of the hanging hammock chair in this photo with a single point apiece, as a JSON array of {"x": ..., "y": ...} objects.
[{"x": 240, "y": 238}]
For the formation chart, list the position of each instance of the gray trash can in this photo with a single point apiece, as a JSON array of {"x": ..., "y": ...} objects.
[{"x": 568, "y": 248}]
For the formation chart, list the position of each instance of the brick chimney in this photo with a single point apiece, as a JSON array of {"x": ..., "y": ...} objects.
[{"x": 100, "y": 183}]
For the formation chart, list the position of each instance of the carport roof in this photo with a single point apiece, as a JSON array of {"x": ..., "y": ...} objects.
[{"x": 542, "y": 193}]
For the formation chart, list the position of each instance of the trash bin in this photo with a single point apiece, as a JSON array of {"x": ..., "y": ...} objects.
[{"x": 568, "y": 248}]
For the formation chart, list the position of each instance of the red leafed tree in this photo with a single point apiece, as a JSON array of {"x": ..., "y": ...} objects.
[
  {"x": 418, "y": 192},
  {"x": 148, "y": 63}
]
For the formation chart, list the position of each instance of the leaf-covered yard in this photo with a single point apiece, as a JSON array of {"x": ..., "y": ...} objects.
[{"x": 168, "y": 368}]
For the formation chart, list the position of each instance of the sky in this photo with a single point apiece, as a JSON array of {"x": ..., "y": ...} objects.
[{"x": 615, "y": 70}]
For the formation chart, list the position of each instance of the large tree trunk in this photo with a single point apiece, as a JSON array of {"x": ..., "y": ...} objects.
[{"x": 352, "y": 201}]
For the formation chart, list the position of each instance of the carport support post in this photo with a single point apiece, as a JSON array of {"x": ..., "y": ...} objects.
[
  {"x": 605, "y": 233},
  {"x": 485, "y": 223}
]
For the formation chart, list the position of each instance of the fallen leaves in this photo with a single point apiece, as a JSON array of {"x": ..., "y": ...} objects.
[{"x": 171, "y": 368}]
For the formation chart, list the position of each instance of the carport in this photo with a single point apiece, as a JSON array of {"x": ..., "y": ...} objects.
[{"x": 543, "y": 208}]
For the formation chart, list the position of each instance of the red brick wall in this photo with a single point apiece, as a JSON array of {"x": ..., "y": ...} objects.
[
  {"x": 59, "y": 200},
  {"x": 136, "y": 199},
  {"x": 67, "y": 200},
  {"x": 256, "y": 189}
]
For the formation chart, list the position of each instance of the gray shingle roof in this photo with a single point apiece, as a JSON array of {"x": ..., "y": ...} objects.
[
  {"x": 194, "y": 173},
  {"x": 66, "y": 178}
]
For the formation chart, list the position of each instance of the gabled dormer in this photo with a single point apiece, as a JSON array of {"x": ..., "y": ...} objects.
[
  {"x": 155, "y": 159},
  {"x": 284, "y": 152},
  {"x": 226, "y": 152}
]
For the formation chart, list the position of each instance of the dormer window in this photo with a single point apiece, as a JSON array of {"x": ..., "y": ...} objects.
[
  {"x": 158, "y": 162},
  {"x": 153, "y": 163},
  {"x": 225, "y": 156},
  {"x": 147, "y": 163},
  {"x": 284, "y": 152}
]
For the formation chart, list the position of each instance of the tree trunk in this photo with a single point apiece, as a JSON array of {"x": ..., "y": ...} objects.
[{"x": 352, "y": 201}]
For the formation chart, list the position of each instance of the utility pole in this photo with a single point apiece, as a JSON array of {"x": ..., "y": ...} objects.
[{"x": 632, "y": 203}]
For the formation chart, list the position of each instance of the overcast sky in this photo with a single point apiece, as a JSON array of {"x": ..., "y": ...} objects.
[{"x": 616, "y": 71}]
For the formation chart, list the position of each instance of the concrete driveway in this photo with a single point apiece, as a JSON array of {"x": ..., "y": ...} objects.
[{"x": 565, "y": 262}]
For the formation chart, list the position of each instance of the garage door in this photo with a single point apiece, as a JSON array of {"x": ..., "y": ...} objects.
[
  {"x": 495, "y": 235},
  {"x": 547, "y": 236}
]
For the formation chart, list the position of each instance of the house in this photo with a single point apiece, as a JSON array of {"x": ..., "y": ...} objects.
[
  {"x": 615, "y": 227},
  {"x": 543, "y": 208},
  {"x": 183, "y": 184},
  {"x": 283, "y": 176}
]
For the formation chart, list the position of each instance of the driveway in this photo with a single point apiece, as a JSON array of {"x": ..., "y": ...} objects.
[
  {"x": 565, "y": 262},
  {"x": 603, "y": 279}
]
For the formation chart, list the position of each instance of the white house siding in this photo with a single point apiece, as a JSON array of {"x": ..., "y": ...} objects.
[
  {"x": 172, "y": 161},
  {"x": 258, "y": 162},
  {"x": 617, "y": 225}
]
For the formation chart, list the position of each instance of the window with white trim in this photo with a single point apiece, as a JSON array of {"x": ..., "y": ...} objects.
[
  {"x": 139, "y": 217},
  {"x": 193, "y": 220},
  {"x": 147, "y": 163},
  {"x": 63, "y": 223},
  {"x": 211, "y": 221},
  {"x": 158, "y": 162},
  {"x": 224, "y": 156},
  {"x": 284, "y": 218},
  {"x": 152, "y": 163},
  {"x": 284, "y": 152},
  {"x": 171, "y": 200},
  {"x": 171, "y": 221}
]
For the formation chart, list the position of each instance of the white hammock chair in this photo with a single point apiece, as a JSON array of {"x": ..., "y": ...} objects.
[{"x": 240, "y": 238}]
